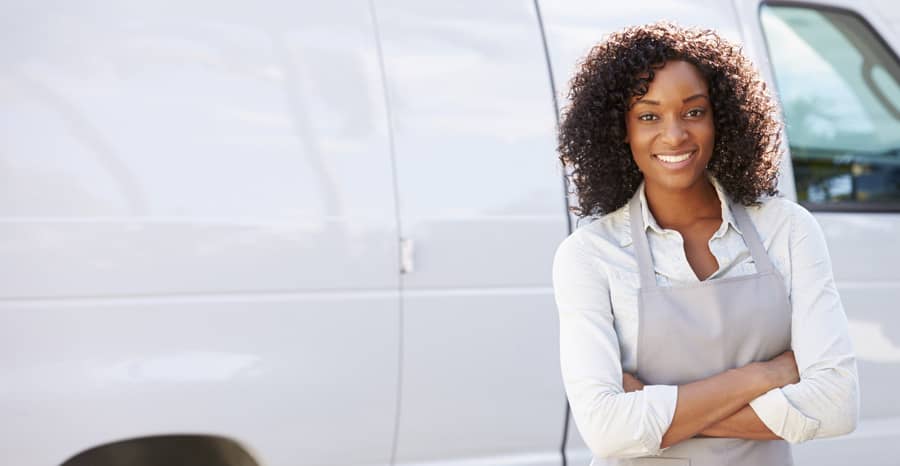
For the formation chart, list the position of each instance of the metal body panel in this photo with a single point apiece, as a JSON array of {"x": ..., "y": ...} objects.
[
  {"x": 167, "y": 142},
  {"x": 276, "y": 373},
  {"x": 198, "y": 230},
  {"x": 480, "y": 196}
]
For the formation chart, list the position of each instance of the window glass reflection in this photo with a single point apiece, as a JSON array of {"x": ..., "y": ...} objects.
[{"x": 839, "y": 89}]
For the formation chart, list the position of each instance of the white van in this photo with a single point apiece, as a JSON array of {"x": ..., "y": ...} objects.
[{"x": 320, "y": 233}]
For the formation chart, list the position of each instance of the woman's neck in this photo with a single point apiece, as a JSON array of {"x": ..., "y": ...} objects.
[{"x": 679, "y": 208}]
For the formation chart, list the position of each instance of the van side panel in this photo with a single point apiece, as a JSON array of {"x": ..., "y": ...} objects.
[
  {"x": 481, "y": 201},
  {"x": 197, "y": 229}
]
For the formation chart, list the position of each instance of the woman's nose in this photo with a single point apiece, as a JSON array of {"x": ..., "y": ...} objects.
[{"x": 674, "y": 134}]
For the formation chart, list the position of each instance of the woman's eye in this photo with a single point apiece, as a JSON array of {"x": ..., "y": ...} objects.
[
  {"x": 647, "y": 117},
  {"x": 695, "y": 112}
]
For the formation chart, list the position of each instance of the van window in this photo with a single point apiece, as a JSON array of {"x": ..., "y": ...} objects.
[{"x": 838, "y": 84}]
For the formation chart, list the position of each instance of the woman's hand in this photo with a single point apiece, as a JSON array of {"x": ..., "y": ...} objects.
[
  {"x": 631, "y": 383},
  {"x": 782, "y": 369}
]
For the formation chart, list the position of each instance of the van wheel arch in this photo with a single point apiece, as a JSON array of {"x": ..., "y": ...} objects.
[{"x": 166, "y": 450}]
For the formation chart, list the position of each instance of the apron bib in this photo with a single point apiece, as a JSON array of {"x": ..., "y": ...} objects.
[{"x": 687, "y": 333}]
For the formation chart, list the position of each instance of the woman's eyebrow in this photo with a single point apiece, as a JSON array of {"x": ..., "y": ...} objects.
[
  {"x": 696, "y": 96},
  {"x": 656, "y": 102}
]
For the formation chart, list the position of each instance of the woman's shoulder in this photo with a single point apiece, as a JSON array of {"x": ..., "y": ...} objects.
[
  {"x": 602, "y": 230},
  {"x": 778, "y": 212},
  {"x": 597, "y": 236}
]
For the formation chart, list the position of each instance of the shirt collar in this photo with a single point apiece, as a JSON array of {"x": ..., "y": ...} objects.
[{"x": 650, "y": 221}]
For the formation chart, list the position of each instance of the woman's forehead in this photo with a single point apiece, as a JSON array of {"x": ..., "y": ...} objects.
[{"x": 675, "y": 82}]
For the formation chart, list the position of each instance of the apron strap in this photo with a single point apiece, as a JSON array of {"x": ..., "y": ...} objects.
[
  {"x": 641, "y": 246},
  {"x": 751, "y": 237}
]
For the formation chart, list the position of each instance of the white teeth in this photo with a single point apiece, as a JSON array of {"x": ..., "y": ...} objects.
[{"x": 674, "y": 158}]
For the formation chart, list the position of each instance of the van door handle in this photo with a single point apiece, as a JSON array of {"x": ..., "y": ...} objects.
[{"x": 406, "y": 255}]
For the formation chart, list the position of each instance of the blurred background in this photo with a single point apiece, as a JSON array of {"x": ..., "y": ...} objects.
[{"x": 320, "y": 233}]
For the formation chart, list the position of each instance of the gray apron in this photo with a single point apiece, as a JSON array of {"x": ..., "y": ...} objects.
[{"x": 688, "y": 333}]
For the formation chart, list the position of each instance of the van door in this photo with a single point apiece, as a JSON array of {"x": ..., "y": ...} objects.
[
  {"x": 198, "y": 230},
  {"x": 481, "y": 213},
  {"x": 838, "y": 80}
]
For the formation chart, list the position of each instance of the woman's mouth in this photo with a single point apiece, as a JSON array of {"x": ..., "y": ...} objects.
[{"x": 675, "y": 161}]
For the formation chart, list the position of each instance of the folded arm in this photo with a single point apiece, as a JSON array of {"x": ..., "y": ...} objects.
[
  {"x": 712, "y": 401},
  {"x": 743, "y": 423},
  {"x": 825, "y": 401}
]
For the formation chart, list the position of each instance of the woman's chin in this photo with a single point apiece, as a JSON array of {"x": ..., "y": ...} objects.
[{"x": 676, "y": 181}]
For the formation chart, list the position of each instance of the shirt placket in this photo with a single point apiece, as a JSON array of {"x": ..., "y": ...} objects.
[{"x": 672, "y": 266}]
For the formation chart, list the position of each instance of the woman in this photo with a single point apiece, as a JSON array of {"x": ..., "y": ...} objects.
[{"x": 699, "y": 317}]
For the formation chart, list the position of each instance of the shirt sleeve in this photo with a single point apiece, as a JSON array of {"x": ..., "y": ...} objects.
[
  {"x": 825, "y": 403},
  {"x": 611, "y": 422}
]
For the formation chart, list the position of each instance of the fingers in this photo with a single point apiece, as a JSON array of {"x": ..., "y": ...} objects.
[{"x": 630, "y": 383}]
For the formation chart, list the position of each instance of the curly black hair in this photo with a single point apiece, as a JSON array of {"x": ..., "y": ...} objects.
[{"x": 747, "y": 147}]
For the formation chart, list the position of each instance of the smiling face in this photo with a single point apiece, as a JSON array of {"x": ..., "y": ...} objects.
[{"x": 670, "y": 129}]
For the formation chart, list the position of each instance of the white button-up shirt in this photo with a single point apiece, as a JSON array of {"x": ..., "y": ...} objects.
[{"x": 596, "y": 281}]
